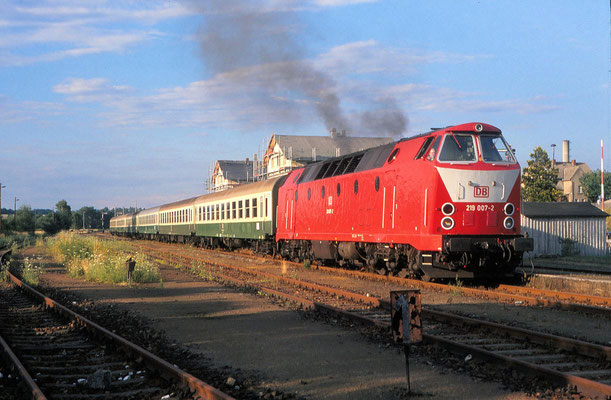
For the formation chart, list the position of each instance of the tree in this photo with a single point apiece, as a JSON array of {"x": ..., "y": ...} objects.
[
  {"x": 49, "y": 223},
  {"x": 93, "y": 218},
  {"x": 25, "y": 222},
  {"x": 590, "y": 183},
  {"x": 64, "y": 215},
  {"x": 539, "y": 179}
]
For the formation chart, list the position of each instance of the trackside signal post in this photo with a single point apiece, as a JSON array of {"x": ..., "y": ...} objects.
[{"x": 405, "y": 310}]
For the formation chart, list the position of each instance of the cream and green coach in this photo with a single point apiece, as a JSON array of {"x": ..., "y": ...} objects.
[{"x": 246, "y": 212}]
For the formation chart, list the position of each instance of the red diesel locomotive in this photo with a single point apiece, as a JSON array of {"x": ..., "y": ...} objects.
[{"x": 443, "y": 204}]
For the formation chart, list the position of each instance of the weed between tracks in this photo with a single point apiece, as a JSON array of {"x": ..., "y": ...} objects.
[{"x": 101, "y": 261}]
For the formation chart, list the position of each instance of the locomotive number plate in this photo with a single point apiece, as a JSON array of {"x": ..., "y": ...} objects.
[{"x": 479, "y": 207}]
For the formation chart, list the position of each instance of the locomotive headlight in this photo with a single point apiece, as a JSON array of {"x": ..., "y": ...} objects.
[
  {"x": 508, "y": 223},
  {"x": 509, "y": 209},
  {"x": 448, "y": 209},
  {"x": 479, "y": 127},
  {"x": 447, "y": 223}
]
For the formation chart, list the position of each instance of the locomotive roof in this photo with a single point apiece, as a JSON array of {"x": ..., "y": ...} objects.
[
  {"x": 355, "y": 162},
  {"x": 468, "y": 127}
]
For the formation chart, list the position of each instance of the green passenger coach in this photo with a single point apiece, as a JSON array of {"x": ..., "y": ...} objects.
[
  {"x": 244, "y": 213},
  {"x": 242, "y": 216}
]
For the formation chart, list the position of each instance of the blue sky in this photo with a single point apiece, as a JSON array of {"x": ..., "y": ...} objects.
[{"x": 118, "y": 103}]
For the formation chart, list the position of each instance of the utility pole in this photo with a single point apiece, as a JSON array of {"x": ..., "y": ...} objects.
[
  {"x": 1, "y": 186},
  {"x": 15, "y": 217},
  {"x": 602, "y": 178}
]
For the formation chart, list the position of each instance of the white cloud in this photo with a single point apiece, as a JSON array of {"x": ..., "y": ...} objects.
[
  {"x": 366, "y": 57},
  {"x": 75, "y": 28}
]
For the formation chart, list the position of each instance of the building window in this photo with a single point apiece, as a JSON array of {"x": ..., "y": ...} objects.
[{"x": 579, "y": 189}]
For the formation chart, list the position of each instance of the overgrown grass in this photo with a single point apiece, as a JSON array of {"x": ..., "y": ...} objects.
[
  {"x": 100, "y": 261},
  {"x": 16, "y": 240},
  {"x": 30, "y": 273}
]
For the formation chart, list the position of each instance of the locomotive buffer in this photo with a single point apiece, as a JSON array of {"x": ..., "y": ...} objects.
[{"x": 405, "y": 310}]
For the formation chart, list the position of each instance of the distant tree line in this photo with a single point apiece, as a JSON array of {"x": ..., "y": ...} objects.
[{"x": 61, "y": 218}]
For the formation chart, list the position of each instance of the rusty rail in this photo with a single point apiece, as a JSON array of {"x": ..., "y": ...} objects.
[
  {"x": 201, "y": 389},
  {"x": 586, "y": 386},
  {"x": 31, "y": 385}
]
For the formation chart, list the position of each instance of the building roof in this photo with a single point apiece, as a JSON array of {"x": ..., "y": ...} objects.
[
  {"x": 563, "y": 209},
  {"x": 566, "y": 171},
  {"x": 300, "y": 147},
  {"x": 240, "y": 170}
]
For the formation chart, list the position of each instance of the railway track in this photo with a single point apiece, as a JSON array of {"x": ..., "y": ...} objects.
[
  {"x": 62, "y": 355},
  {"x": 505, "y": 293},
  {"x": 561, "y": 361}
]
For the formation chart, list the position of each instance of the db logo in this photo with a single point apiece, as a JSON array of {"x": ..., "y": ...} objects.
[{"x": 481, "y": 191}]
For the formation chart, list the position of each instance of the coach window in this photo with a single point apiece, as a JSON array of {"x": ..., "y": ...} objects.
[
  {"x": 377, "y": 183},
  {"x": 338, "y": 189},
  {"x": 322, "y": 192},
  {"x": 309, "y": 193},
  {"x": 356, "y": 186},
  {"x": 247, "y": 208},
  {"x": 227, "y": 210},
  {"x": 233, "y": 210},
  {"x": 295, "y": 195},
  {"x": 218, "y": 212},
  {"x": 254, "y": 207},
  {"x": 266, "y": 210},
  {"x": 240, "y": 214}
]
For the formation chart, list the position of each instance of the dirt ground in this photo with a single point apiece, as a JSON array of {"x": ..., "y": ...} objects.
[{"x": 316, "y": 360}]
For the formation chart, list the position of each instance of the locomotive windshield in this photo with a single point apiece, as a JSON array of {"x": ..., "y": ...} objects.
[
  {"x": 457, "y": 147},
  {"x": 495, "y": 149}
]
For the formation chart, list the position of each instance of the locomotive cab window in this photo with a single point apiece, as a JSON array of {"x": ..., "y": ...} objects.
[
  {"x": 495, "y": 149},
  {"x": 393, "y": 155},
  {"x": 424, "y": 147},
  {"x": 457, "y": 148}
]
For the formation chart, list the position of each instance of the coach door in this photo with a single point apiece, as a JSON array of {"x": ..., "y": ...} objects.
[
  {"x": 389, "y": 196},
  {"x": 289, "y": 213}
]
